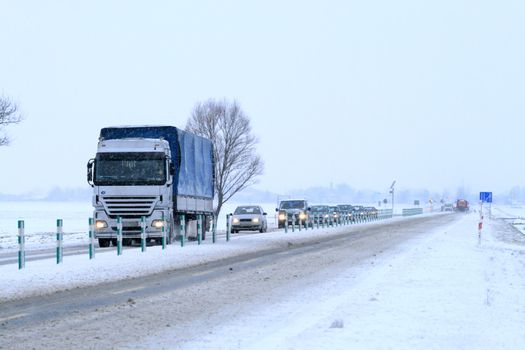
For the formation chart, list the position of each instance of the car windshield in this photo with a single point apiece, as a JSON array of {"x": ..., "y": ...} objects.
[
  {"x": 120, "y": 169},
  {"x": 292, "y": 205},
  {"x": 318, "y": 209},
  {"x": 247, "y": 210}
]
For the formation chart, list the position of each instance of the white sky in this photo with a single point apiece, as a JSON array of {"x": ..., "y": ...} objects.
[{"x": 360, "y": 92}]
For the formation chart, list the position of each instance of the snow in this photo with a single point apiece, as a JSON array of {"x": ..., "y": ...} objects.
[
  {"x": 446, "y": 289},
  {"x": 45, "y": 276}
]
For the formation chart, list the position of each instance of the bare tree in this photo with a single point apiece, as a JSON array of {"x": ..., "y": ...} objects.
[
  {"x": 236, "y": 162},
  {"x": 8, "y": 115}
]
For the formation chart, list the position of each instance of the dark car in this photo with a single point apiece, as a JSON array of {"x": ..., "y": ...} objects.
[
  {"x": 320, "y": 214},
  {"x": 335, "y": 215},
  {"x": 371, "y": 212},
  {"x": 346, "y": 211},
  {"x": 292, "y": 211}
]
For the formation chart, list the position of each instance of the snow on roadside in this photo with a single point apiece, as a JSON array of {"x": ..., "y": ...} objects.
[
  {"x": 44, "y": 276},
  {"x": 441, "y": 291}
]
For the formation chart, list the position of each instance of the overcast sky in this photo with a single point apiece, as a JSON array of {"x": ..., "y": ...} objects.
[{"x": 430, "y": 93}]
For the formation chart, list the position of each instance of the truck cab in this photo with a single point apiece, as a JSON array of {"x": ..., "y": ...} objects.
[{"x": 131, "y": 179}]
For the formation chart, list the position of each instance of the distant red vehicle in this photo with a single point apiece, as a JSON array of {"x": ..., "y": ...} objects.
[{"x": 462, "y": 205}]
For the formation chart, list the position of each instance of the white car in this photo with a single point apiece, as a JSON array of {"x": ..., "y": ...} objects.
[{"x": 249, "y": 218}]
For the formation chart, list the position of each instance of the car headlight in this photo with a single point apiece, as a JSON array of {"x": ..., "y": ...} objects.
[
  {"x": 302, "y": 216},
  {"x": 235, "y": 220},
  {"x": 255, "y": 220},
  {"x": 101, "y": 224},
  {"x": 157, "y": 223},
  {"x": 282, "y": 217}
]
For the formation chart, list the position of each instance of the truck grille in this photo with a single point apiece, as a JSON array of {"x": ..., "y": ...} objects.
[{"x": 129, "y": 207}]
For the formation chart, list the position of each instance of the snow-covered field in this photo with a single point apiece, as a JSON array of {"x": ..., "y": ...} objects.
[{"x": 515, "y": 215}]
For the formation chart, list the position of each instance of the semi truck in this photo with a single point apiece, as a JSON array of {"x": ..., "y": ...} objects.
[{"x": 161, "y": 175}]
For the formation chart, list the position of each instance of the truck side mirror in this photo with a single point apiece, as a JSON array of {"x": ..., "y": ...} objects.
[
  {"x": 172, "y": 169},
  {"x": 276, "y": 209},
  {"x": 90, "y": 172},
  {"x": 265, "y": 214}
]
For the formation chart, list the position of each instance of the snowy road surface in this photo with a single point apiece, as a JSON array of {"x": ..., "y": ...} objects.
[{"x": 426, "y": 282}]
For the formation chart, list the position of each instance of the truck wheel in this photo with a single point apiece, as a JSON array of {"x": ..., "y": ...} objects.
[{"x": 103, "y": 243}]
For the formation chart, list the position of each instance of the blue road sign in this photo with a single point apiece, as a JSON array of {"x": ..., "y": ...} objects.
[{"x": 485, "y": 197}]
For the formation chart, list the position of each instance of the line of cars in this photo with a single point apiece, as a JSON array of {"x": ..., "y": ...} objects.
[{"x": 298, "y": 212}]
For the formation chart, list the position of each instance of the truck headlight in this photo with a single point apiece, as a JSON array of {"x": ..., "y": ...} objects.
[
  {"x": 235, "y": 220},
  {"x": 282, "y": 217},
  {"x": 157, "y": 223},
  {"x": 99, "y": 224},
  {"x": 255, "y": 220},
  {"x": 302, "y": 216}
]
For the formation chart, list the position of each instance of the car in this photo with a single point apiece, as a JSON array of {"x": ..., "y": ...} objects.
[
  {"x": 292, "y": 211},
  {"x": 320, "y": 214},
  {"x": 346, "y": 211},
  {"x": 249, "y": 218},
  {"x": 371, "y": 212},
  {"x": 447, "y": 207},
  {"x": 359, "y": 213},
  {"x": 335, "y": 215}
]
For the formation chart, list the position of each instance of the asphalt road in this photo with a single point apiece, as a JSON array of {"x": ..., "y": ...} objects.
[{"x": 188, "y": 301}]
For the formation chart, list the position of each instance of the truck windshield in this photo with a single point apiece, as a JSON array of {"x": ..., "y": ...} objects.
[{"x": 121, "y": 169}]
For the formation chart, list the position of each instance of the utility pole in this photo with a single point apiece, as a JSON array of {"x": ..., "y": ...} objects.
[{"x": 392, "y": 193}]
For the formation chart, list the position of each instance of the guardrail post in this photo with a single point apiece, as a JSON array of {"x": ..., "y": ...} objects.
[
  {"x": 163, "y": 232},
  {"x": 21, "y": 245},
  {"x": 59, "y": 240},
  {"x": 91, "y": 238},
  {"x": 143, "y": 234},
  {"x": 119, "y": 235},
  {"x": 228, "y": 227},
  {"x": 199, "y": 229},
  {"x": 214, "y": 229},
  {"x": 182, "y": 229}
]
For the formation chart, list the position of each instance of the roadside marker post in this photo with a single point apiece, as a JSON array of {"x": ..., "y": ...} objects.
[
  {"x": 163, "y": 232},
  {"x": 60, "y": 236},
  {"x": 21, "y": 245},
  {"x": 199, "y": 229},
  {"x": 182, "y": 229},
  {"x": 285, "y": 223},
  {"x": 317, "y": 222},
  {"x": 91, "y": 239},
  {"x": 293, "y": 223},
  {"x": 214, "y": 229},
  {"x": 119, "y": 235},
  {"x": 300, "y": 224},
  {"x": 143, "y": 234},
  {"x": 228, "y": 229}
]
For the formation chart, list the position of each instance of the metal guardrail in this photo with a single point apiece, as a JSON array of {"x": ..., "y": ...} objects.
[{"x": 412, "y": 211}]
